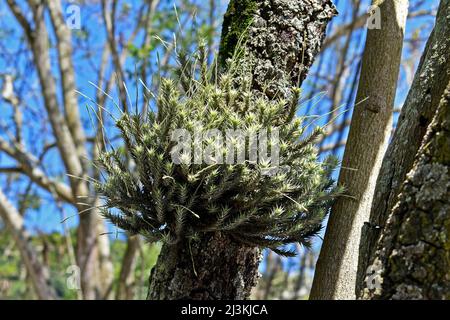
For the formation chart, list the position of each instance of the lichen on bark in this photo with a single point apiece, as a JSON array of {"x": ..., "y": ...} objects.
[
  {"x": 282, "y": 40},
  {"x": 413, "y": 255},
  {"x": 433, "y": 73},
  {"x": 210, "y": 268}
]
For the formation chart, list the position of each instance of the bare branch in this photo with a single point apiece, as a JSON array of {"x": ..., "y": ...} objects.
[
  {"x": 29, "y": 166},
  {"x": 64, "y": 45}
]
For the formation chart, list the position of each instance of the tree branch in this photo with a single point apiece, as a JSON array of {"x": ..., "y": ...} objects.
[{"x": 29, "y": 166}]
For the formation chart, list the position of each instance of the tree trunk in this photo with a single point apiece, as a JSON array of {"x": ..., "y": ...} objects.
[
  {"x": 214, "y": 267},
  {"x": 66, "y": 129},
  {"x": 300, "y": 281},
  {"x": 371, "y": 125},
  {"x": 283, "y": 37},
  {"x": 126, "y": 283},
  {"x": 428, "y": 86},
  {"x": 412, "y": 260}
]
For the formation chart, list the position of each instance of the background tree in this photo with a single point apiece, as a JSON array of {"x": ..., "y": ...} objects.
[
  {"x": 38, "y": 272},
  {"x": 412, "y": 260},
  {"x": 420, "y": 106},
  {"x": 68, "y": 141},
  {"x": 369, "y": 134}
]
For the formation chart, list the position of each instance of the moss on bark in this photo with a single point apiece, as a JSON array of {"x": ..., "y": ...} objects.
[
  {"x": 237, "y": 19},
  {"x": 281, "y": 39}
]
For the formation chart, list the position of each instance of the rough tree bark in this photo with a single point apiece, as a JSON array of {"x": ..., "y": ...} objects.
[
  {"x": 371, "y": 125},
  {"x": 412, "y": 260},
  {"x": 432, "y": 75},
  {"x": 215, "y": 267},
  {"x": 283, "y": 37}
]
